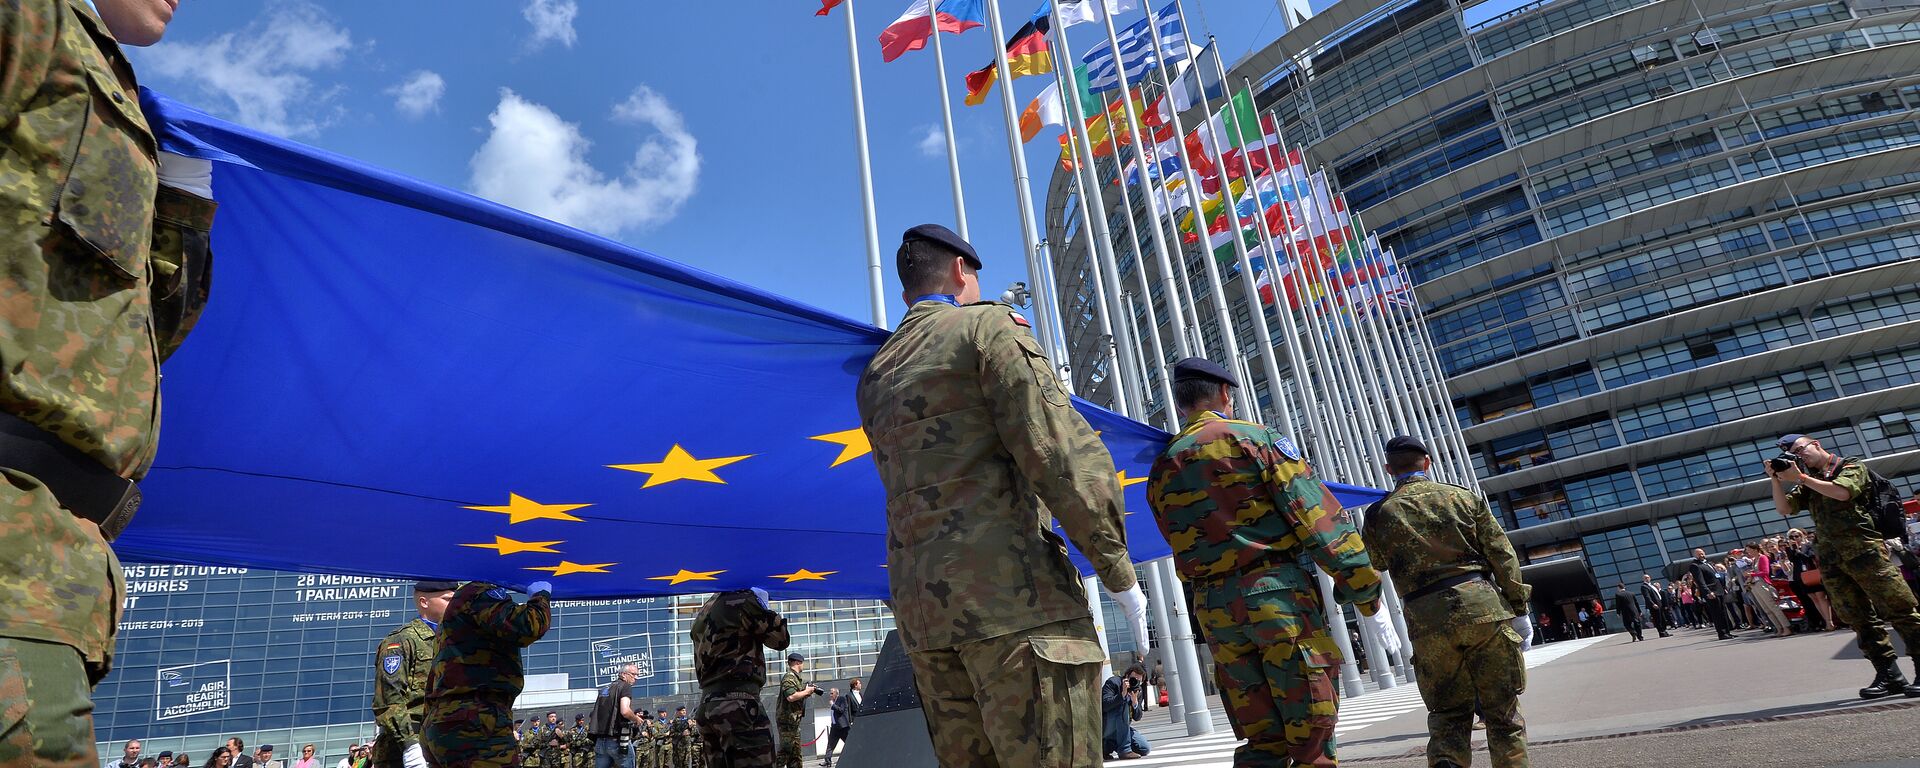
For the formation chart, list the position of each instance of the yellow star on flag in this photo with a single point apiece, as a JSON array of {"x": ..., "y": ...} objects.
[
  {"x": 506, "y": 546},
  {"x": 804, "y": 575},
  {"x": 685, "y": 576},
  {"x": 566, "y": 567},
  {"x": 853, "y": 444},
  {"x": 1127, "y": 481},
  {"x": 520, "y": 509},
  {"x": 680, "y": 465}
]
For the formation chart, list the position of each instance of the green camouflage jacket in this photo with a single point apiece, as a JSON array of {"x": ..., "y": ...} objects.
[
  {"x": 980, "y": 449},
  {"x": 530, "y": 747},
  {"x": 1846, "y": 529},
  {"x": 730, "y": 635},
  {"x": 1424, "y": 532},
  {"x": 478, "y": 649},
  {"x": 400, "y": 680},
  {"x": 785, "y": 710},
  {"x": 95, "y": 291},
  {"x": 1245, "y": 515}
]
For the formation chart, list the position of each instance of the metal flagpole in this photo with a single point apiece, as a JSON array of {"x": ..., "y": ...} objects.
[
  {"x": 1256, "y": 317},
  {"x": 1189, "y": 335},
  {"x": 1103, "y": 313},
  {"x": 1087, "y": 176},
  {"x": 946, "y": 122},
  {"x": 1046, "y": 313},
  {"x": 1162, "y": 605},
  {"x": 1140, "y": 272},
  {"x": 1163, "y": 378},
  {"x": 1365, "y": 448},
  {"x": 875, "y": 275}
]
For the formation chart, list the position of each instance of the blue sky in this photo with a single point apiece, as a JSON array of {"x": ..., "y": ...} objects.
[{"x": 718, "y": 135}]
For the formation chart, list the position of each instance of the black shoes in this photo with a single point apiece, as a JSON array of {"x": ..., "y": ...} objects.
[{"x": 1887, "y": 682}]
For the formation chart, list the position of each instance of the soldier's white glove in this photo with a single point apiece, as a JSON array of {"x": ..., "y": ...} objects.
[
  {"x": 1383, "y": 627},
  {"x": 187, "y": 174},
  {"x": 538, "y": 587},
  {"x": 761, "y": 595},
  {"x": 1524, "y": 626},
  {"x": 1133, "y": 604}
]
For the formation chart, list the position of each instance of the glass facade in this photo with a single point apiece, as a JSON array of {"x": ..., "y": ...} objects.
[
  {"x": 288, "y": 659},
  {"x": 1656, "y": 230}
]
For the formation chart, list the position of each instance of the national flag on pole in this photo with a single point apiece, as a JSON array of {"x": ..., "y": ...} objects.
[
  {"x": 1136, "y": 50},
  {"x": 911, "y": 30},
  {"x": 1071, "y": 12},
  {"x": 1027, "y": 54},
  {"x": 1197, "y": 81},
  {"x": 827, "y": 6}
]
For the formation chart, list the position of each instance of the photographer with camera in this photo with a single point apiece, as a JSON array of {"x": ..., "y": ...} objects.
[
  {"x": 1120, "y": 704},
  {"x": 1860, "y": 576},
  {"x": 792, "y": 707},
  {"x": 614, "y": 721}
]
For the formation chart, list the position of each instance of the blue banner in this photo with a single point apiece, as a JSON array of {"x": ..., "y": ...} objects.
[{"x": 397, "y": 379}]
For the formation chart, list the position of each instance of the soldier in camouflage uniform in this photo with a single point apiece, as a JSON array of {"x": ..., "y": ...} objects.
[
  {"x": 1244, "y": 515},
  {"x": 682, "y": 732},
  {"x": 553, "y": 743},
  {"x": 789, "y": 710},
  {"x": 730, "y": 636},
  {"x": 400, "y": 679},
  {"x": 103, "y": 271},
  {"x": 477, "y": 673},
  {"x": 660, "y": 737},
  {"x": 529, "y": 746},
  {"x": 977, "y": 443},
  {"x": 696, "y": 744},
  {"x": 1862, "y": 579},
  {"x": 580, "y": 744},
  {"x": 1466, "y": 607}
]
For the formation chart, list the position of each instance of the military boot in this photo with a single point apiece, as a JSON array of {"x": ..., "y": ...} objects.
[
  {"x": 1887, "y": 682},
  {"x": 1913, "y": 690}
]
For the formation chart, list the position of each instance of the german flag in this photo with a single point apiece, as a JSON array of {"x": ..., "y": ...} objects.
[{"x": 1027, "y": 54}]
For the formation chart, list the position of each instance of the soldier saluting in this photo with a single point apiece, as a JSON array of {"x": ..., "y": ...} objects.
[
  {"x": 980, "y": 450},
  {"x": 477, "y": 673},
  {"x": 1466, "y": 607},
  {"x": 400, "y": 680},
  {"x": 1244, "y": 514}
]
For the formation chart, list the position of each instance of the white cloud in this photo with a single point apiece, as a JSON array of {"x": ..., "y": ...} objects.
[
  {"x": 933, "y": 142},
  {"x": 419, "y": 94},
  {"x": 552, "y": 21},
  {"x": 261, "y": 75},
  {"x": 535, "y": 161}
]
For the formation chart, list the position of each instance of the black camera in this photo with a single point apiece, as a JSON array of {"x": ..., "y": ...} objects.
[
  {"x": 1781, "y": 462},
  {"x": 818, "y": 689}
]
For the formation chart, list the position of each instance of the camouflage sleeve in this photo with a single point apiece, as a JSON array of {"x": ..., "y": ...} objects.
[
  {"x": 1498, "y": 550},
  {"x": 389, "y": 703},
  {"x": 26, "y": 52},
  {"x": 1854, "y": 478},
  {"x": 182, "y": 260},
  {"x": 1322, "y": 526},
  {"x": 524, "y": 623},
  {"x": 1054, "y": 448},
  {"x": 772, "y": 628}
]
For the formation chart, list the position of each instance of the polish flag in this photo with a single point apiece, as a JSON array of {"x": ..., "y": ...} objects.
[{"x": 911, "y": 30}]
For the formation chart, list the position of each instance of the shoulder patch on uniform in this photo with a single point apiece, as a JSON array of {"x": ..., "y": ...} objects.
[
  {"x": 1018, "y": 320},
  {"x": 390, "y": 663},
  {"x": 498, "y": 593},
  {"x": 1285, "y": 446}
]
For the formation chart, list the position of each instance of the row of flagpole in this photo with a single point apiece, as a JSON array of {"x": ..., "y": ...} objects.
[{"x": 1361, "y": 370}]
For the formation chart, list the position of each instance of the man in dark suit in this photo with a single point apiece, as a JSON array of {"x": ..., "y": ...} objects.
[
  {"x": 1628, "y": 610},
  {"x": 842, "y": 708},
  {"x": 1713, "y": 592},
  {"x": 1656, "y": 600}
]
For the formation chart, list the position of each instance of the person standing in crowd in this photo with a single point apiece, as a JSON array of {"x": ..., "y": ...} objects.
[
  {"x": 1659, "y": 602},
  {"x": 237, "y": 750},
  {"x": 400, "y": 678},
  {"x": 1244, "y": 514},
  {"x": 1709, "y": 597},
  {"x": 1466, "y": 607},
  {"x": 104, "y": 271},
  {"x": 222, "y": 757},
  {"x": 1760, "y": 589},
  {"x": 682, "y": 733},
  {"x": 263, "y": 757},
  {"x": 661, "y": 736},
  {"x": 164, "y": 759},
  {"x": 731, "y": 635},
  {"x": 614, "y": 720},
  {"x": 975, "y": 439},
  {"x": 1803, "y": 578},
  {"x": 580, "y": 744},
  {"x": 477, "y": 673},
  {"x": 1856, "y": 569},
  {"x": 791, "y": 708},
  {"x": 1629, "y": 611},
  {"x": 844, "y": 709},
  {"x": 129, "y": 755},
  {"x": 307, "y": 758}
]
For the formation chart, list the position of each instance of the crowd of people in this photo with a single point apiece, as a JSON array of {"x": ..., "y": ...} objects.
[{"x": 232, "y": 754}]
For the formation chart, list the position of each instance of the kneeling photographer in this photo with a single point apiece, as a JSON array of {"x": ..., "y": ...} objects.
[{"x": 1861, "y": 578}]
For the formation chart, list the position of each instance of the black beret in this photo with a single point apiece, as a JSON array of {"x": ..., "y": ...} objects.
[
  {"x": 1202, "y": 368},
  {"x": 1408, "y": 444},
  {"x": 435, "y": 586},
  {"x": 934, "y": 233},
  {"x": 796, "y": 656}
]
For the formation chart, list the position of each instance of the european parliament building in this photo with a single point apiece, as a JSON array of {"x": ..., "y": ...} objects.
[
  {"x": 1649, "y": 237},
  {"x": 288, "y": 659}
]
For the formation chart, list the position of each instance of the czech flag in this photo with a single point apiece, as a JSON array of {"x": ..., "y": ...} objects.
[{"x": 911, "y": 30}]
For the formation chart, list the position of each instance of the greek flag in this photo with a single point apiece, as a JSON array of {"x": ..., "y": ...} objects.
[{"x": 1103, "y": 69}]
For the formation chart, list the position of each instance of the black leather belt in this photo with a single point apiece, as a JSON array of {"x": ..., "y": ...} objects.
[
  {"x": 79, "y": 482},
  {"x": 1450, "y": 581}
]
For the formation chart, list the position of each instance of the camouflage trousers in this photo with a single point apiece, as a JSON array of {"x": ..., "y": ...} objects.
[
  {"x": 1461, "y": 669},
  {"x": 46, "y": 705},
  {"x": 471, "y": 732},
  {"x": 682, "y": 753},
  {"x": 1866, "y": 589},
  {"x": 1279, "y": 694},
  {"x": 1027, "y": 698},
  {"x": 735, "y": 730},
  {"x": 789, "y": 754}
]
